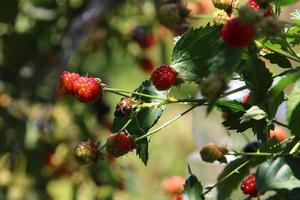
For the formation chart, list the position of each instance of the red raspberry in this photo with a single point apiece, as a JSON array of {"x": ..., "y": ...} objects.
[
  {"x": 143, "y": 38},
  {"x": 163, "y": 77},
  {"x": 179, "y": 197},
  {"x": 249, "y": 186},
  {"x": 119, "y": 144},
  {"x": 237, "y": 34},
  {"x": 146, "y": 64},
  {"x": 174, "y": 185},
  {"x": 67, "y": 80},
  {"x": 278, "y": 133},
  {"x": 87, "y": 89},
  {"x": 246, "y": 99},
  {"x": 258, "y": 7}
]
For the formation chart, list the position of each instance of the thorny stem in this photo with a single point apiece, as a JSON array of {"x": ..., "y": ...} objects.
[
  {"x": 227, "y": 176},
  {"x": 166, "y": 124},
  {"x": 119, "y": 91}
]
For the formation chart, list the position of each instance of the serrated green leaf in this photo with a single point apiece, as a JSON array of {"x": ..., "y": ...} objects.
[
  {"x": 293, "y": 109},
  {"x": 234, "y": 111},
  {"x": 234, "y": 106},
  {"x": 192, "y": 189},
  {"x": 143, "y": 120},
  {"x": 226, "y": 60},
  {"x": 275, "y": 95},
  {"x": 284, "y": 2},
  {"x": 190, "y": 58},
  {"x": 293, "y": 35},
  {"x": 257, "y": 77},
  {"x": 278, "y": 59},
  {"x": 275, "y": 174},
  {"x": 226, "y": 187}
]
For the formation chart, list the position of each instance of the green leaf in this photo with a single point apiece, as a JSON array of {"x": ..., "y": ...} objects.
[
  {"x": 275, "y": 94},
  {"x": 193, "y": 50},
  {"x": 226, "y": 187},
  {"x": 257, "y": 77},
  {"x": 143, "y": 120},
  {"x": 226, "y": 60},
  {"x": 293, "y": 35},
  {"x": 275, "y": 174},
  {"x": 278, "y": 59},
  {"x": 293, "y": 109},
  {"x": 192, "y": 189},
  {"x": 234, "y": 106},
  {"x": 284, "y": 2},
  {"x": 234, "y": 111}
]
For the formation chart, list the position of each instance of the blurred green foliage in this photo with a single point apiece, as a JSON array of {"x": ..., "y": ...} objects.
[{"x": 40, "y": 127}]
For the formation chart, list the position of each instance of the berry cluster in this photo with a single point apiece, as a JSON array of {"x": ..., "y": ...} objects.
[
  {"x": 85, "y": 89},
  {"x": 249, "y": 186}
]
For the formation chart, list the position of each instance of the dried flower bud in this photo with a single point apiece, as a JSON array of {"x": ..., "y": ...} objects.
[
  {"x": 125, "y": 106},
  {"x": 212, "y": 152},
  {"x": 222, "y": 4}
]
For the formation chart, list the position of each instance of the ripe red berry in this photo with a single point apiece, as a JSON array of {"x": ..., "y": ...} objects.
[
  {"x": 163, "y": 77},
  {"x": 179, "y": 197},
  {"x": 237, "y": 34},
  {"x": 258, "y": 7},
  {"x": 146, "y": 64},
  {"x": 278, "y": 133},
  {"x": 87, "y": 89},
  {"x": 174, "y": 185},
  {"x": 67, "y": 80},
  {"x": 249, "y": 186},
  {"x": 143, "y": 38},
  {"x": 119, "y": 144}
]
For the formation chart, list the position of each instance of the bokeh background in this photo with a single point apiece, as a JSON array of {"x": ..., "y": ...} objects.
[{"x": 39, "y": 126}]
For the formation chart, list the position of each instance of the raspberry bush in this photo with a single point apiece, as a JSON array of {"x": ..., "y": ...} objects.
[{"x": 242, "y": 41}]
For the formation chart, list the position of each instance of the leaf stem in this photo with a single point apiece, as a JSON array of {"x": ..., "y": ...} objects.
[
  {"x": 227, "y": 176},
  {"x": 276, "y": 51},
  {"x": 234, "y": 91},
  {"x": 166, "y": 124},
  {"x": 119, "y": 91}
]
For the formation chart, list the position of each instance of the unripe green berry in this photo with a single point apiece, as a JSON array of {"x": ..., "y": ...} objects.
[
  {"x": 86, "y": 152},
  {"x": 220, "y": 17},
  {"x": 212, "y": 152}
]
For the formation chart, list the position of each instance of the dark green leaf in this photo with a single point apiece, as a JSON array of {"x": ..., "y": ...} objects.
[
  {"x": 193, "y": 50},
  {"x": 257, "y": 77},
  {"x": 226, "y": 187},
  {"x": 226, "y": 60},
  {"x": 233, "y": 106},
  {"x": 143, "y": 120},
  {"x": 275, "y": 174},
  {"x": 293, "y": 109},
  {"x": 279, "y": 59},
  {"x": 276, "y": 95},
  {"x": 192, "y": 189}
]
